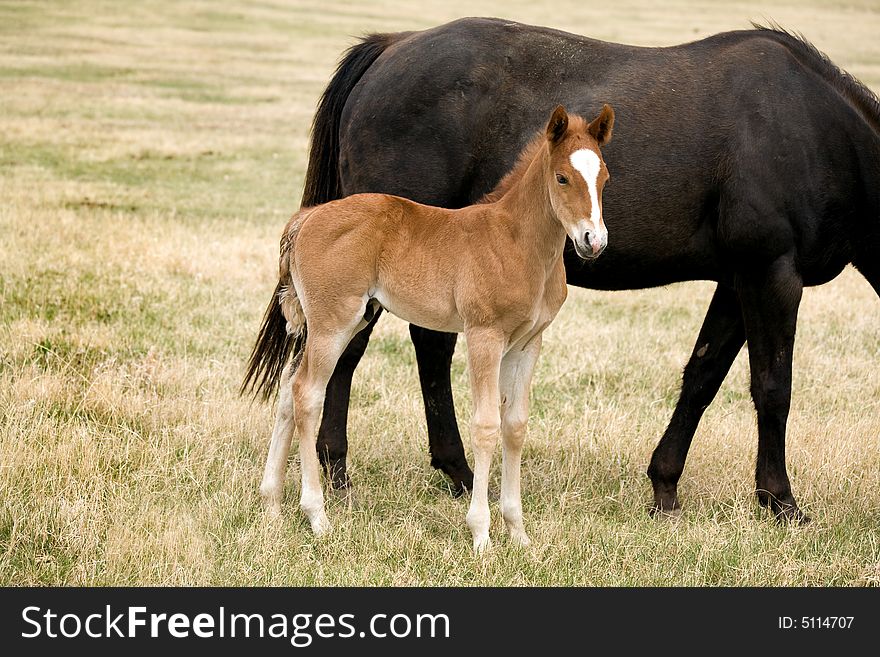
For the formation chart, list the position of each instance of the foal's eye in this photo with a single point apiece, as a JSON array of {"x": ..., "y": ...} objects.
[{"x": 562, "y": 180}]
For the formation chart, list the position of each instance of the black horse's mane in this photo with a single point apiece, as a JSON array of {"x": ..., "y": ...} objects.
[{"x": 846, "y": 84}]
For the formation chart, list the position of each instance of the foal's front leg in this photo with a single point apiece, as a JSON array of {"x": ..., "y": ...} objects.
[
  {"x": 485, "y": 348},
  {"x": 516, "y": 377}
]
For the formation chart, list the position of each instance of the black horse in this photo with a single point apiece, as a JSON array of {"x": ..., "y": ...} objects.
[{"x": 747, "y": 158}]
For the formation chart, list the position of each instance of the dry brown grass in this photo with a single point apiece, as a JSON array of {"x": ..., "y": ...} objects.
[{"x": 149, "y": 159}]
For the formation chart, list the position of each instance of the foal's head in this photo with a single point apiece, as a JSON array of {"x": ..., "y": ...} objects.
[{"x": 576, "y": 176}]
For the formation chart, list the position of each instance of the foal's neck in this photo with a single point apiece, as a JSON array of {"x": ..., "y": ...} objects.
[{"x": 528, "y": 208}]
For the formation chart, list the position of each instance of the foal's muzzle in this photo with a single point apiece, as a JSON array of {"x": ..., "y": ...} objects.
[{"x": 591, "y": 245}]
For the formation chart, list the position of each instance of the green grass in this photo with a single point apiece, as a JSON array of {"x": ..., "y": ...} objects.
[{"x": 150, "y": 158}]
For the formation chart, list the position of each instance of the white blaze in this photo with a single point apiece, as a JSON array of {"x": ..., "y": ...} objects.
[{"x": 586, "y": 162}]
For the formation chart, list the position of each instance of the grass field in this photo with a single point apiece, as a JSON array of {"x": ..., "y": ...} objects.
[{"x": 150, "y": 154}]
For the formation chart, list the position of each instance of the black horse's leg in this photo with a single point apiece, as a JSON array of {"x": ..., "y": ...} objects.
[
  {"x": 333, "y": 437},
  {"x": 720, "y": 340},
  {"x": 868, "y": 262},
  {"x": 770, "y": 302},
  {"x": 434, "y": 357}
]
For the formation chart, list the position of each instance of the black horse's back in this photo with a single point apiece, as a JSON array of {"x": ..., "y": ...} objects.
[
  {"x": 687, "y": 115},
  {"x": 457, "y": 91}
]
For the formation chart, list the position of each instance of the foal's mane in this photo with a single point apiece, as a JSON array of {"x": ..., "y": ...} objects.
[
  {"x": 847, "y": 85},
  {"x": 516, "y": 173},
  {"x": 528, "y": 153}
]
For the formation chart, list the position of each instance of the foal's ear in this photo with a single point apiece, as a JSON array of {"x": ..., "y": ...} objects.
[
  {"x": 558, "y": 125},
  {"x": 602, "y": 126}
]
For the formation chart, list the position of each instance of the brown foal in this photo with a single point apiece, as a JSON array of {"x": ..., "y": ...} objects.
[{"x": 493, "y": 271}]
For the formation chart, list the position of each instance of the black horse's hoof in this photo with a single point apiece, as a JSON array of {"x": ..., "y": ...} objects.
[
  {"x": 790, "y": 514},
  {"x": 460, "y": 489},
  {"x": 666, "y": 505},
  {"x": 659, "y": 513},
  {"x": 344, "y": 493},
  {"x": 462, "y": 479},
  {"x": 340, "y": 483},
  {"x": 785, "y": 511}
]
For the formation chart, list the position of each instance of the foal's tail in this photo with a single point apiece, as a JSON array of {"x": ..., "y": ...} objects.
[
  {"x": 322, "y": 176},
  {"x": 283, "y": 331}
]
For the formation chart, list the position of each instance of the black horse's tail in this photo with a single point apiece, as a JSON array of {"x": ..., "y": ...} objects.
[
  {"x": 278, "y": 337},
  {"x": 322, "y": 176}
]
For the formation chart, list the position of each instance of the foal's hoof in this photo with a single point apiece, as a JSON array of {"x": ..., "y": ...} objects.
[
  {"x": 481, "y": 544},
  {"x": 321, "y": 525},
  {"x": 271, "y": 503},
  {"x": 520, "y": 537}
]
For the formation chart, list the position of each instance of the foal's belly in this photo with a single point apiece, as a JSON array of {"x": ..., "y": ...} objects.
[
  {"x": 431, "y": 310},
  {"x": 434, "y": 304}
]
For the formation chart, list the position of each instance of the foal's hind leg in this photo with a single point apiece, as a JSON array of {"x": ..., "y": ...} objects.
[
  {"x": 485, "y": 347},
  {"x": 516, "y": 376},
  {"x": 322, "y": 351},
  {"x": 272, "y": 486},
  {"x": 326, "y": 341},
  {"x": 720, "y": 340}
]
